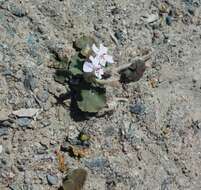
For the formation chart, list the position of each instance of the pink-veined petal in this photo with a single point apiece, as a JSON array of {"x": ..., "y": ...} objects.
[
  {"x": 99, "y": 73},
  {"x": 95, "y": 49},
  {"x": 88, "y": 67},
  {"x": 109, "y": 59},
  {"x": 102, "y": 62}
]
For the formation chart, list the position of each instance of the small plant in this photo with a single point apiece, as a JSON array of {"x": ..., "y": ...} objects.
[{"x": 90, "y": 70}]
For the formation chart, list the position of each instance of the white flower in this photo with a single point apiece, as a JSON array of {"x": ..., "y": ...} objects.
[
  {"x": 93, "y": 66},
  {"x": 102, "y": 54}
]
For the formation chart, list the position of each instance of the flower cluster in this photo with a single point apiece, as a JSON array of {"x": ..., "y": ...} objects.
[{"x": 97, "y": 63}]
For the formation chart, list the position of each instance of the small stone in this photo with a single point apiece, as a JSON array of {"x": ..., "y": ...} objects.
[
  {"x": 96, "y": 163},
  {"x": 45, "y": 123},
  {"x": 41, "y": 151},
  {"x": 28, "y": 177},
  {"x": 137, "y": 108},
  {"x": 52, "y": 180},
  {"x": 8, "y": 150},
  {"x": 1, "y": 56},
  {"x": 17, "y": 10},
  {"x": 21, "y": 165},
  {"x": 4, "y": 131},
  {"x": 31, "y": 112},
  {"x": 4, "y": 114},
  {"x": 73, "y": 134},
  {"x": 168, "y": 20},
  {"x": 152, "y": 18},
  {"x": 43, "y": 96},
  {"x": 119, "y": 35},
  {"x": 24, "y": 121},
  {"x": 1, "y": 149},
  {"x": 191, "y": 11},
  {"x": 166, "y": 183},
  {"x": 30, "y": 80},
  {"x": 7, "y": 72}
]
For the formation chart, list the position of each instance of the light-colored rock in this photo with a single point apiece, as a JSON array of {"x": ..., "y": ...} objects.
[{"x": 31, "y": 112}]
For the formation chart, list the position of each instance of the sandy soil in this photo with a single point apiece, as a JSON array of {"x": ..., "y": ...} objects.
[{"x": 154, "y": 146}]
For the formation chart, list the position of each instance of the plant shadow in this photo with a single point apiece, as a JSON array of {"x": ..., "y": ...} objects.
[{"x": 76, "y": 114}]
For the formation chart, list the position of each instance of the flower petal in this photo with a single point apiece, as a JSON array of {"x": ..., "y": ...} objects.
[
  {"x": 99, "y": 73},
  {"x": 88, "y": 67},
  {"x": 109, "y": 59},
  {"x": 94, "y": 60},
  {"x": 102, "y": 62},
  {"x": 91, "y": 58},
  {"x": 95, "y": 49},
  {"x": 103, "y": 49}
]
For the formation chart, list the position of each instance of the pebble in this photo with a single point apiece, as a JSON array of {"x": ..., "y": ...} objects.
[
  {"x": 26, "y": 113},
  {"x": 17, "y": 10},
  {"x": 24, "y": 121},
  {"x": 127, "y": 130},
  {"x": 4, "y": 114},
  {"x": 1, "y": 149},
  {"x": 45, "y": 123},
  {"x": 73, "y": 134},
  {"x": 119, "y": 35},
  {"x": 96, "y": 163},
  {"x": 152, "y": 18},
  {"x": 191, "y": 11},
  {"x": 14, "y": 187},
  {"x": 28, "y": 177},
  {"x": 52, "y": 180},
  {"x": 137, "y": 108},
  {"x": 168, "y": 20},
  {"x": 43, "y": 95},
  {"x": 4, "y": 131},
  {"x": 21, "y": 165},
  {"x": 1, "y": 56},
  {"x": 7, "y": 72},
  {"x": 41, "y": 151},
  {"x": 29, "y": 81},
  {"x": 166, "y": 183}
]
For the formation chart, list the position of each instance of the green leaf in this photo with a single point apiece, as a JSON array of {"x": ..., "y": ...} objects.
[
  {"x": 84, "y": 42},
  {"x": 92, "y": 100},
  {"x": 76, "y": 65}
]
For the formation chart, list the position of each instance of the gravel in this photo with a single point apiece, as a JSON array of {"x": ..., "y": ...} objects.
[
  {"x": 24, "y": 121},
  {"x": 145, "y": 142},
  {"x": 4, "y": 131},
  {"x": 52, "y": 180}
]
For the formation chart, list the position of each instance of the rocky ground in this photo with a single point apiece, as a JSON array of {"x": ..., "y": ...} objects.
[{"x": 151, "y": 141}]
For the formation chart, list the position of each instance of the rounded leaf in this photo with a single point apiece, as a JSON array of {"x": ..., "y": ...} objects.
[{"x": 92, "y": 100}]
